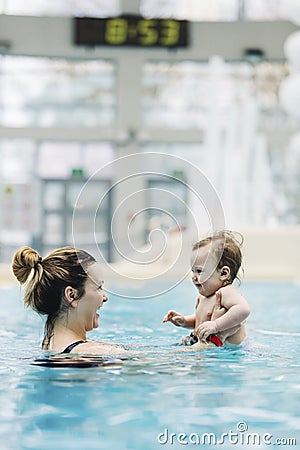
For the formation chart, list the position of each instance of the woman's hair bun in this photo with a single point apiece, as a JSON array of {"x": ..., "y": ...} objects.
[{"x": 24, "y": 261}]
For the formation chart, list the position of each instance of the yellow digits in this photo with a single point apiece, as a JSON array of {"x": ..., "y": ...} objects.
[
  {"x": 169, "y": 32},
  {"x": 116, "y": 31},
  {"x": 147, "y": 28}
]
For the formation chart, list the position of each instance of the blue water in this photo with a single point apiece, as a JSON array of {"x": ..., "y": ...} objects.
[{"x": 250, "y": 393}]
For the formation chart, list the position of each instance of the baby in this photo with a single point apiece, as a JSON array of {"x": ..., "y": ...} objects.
[{"x": 220, "y": 309}]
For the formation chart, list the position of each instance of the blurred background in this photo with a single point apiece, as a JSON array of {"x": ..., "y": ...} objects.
[{"x": 215, "y": 84}]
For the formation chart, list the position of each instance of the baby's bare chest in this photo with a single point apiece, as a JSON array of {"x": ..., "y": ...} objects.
[{"x": 204, "y": 310}]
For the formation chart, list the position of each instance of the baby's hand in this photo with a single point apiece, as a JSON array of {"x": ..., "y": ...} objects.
[
  {"x": 206, "y": 329},
  {"x": 175, "y": 318}
]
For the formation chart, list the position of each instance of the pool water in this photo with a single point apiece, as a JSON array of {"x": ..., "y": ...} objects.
[{"x": 227, "y": 398}]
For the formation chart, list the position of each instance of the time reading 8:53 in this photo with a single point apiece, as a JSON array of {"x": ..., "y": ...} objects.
[{"x": 119, "y": 31}]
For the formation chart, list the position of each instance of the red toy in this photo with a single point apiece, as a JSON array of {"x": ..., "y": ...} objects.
[{"x": 215, "y": 340}]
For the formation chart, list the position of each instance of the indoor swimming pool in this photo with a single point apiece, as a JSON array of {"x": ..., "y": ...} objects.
[{"x": 221, "y": 398}]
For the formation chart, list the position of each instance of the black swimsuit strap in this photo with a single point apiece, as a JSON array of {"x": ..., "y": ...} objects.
[{"x": 71, "y": 346}]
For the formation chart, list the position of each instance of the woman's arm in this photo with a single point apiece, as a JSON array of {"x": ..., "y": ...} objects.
[{"x": 101, "y": 348}]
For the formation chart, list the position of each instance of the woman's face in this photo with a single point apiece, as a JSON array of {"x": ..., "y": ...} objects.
[{"x": 93, "y": 298}]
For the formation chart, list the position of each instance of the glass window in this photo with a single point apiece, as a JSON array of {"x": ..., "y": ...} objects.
[
  {"x": 221, "y": 10},
  {"x": 192, "y": 152},
  {"x": 17, "y": 160},
  {"x": 267, "y": 9},
  {"x": 75, "y": 159},
  {"x": 46, "y": 92},
  {"x": 183, "y": 95},
  {"x": 169, "y": 183},
  {"x": 18, "y": 214},
  {"x": 94, "y": 8},
  {"x": 53, "y": 229},
  {"x": 54, "y": 196},
  {"x": 86, "y": 197},
  {"x": 212, "y": 10},
  {"x": 179, "y": 95}
]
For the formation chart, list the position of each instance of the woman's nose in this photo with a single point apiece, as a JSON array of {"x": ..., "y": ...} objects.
[{"x": 105, "y": 298}]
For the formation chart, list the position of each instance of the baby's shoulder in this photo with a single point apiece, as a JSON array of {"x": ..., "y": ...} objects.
[
  {"x": 229, "y": 293},
  {"x": 229, "y": 289}
]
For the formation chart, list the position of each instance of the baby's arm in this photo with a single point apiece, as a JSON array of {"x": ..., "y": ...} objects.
[
  {"x": 179, "y": 320},
  {"x": 237, "y": 311}
]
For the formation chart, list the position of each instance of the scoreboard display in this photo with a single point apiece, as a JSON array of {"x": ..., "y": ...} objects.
[{"x": 131, "y": 31}]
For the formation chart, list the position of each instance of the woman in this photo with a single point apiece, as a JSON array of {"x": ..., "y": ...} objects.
[{"x": 67, "y": 287}]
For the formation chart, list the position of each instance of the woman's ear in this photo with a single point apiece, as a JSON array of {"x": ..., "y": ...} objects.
[
  {"x": 225, "y": 273},
  {"x": 70, "y": 295}
]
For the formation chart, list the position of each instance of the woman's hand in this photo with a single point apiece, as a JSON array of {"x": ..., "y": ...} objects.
[{"x": 219, "y": 310}]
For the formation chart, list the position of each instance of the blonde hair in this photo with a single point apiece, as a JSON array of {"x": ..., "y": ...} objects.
[
  {"x": 226, "y": 246},
  {"x": 45, "y": 280}
]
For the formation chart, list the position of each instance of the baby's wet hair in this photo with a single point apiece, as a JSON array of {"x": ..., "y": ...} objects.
[{"x": 226, "y": 246}]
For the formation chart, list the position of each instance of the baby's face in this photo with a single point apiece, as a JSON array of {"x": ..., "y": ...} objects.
[{"x": 206, "y": 276}]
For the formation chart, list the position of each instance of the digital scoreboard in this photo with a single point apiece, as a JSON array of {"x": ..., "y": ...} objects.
[{"x": 130, "y": 30}]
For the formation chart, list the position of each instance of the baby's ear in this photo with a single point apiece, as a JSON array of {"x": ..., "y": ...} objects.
[{"x": 225, "y": 273}]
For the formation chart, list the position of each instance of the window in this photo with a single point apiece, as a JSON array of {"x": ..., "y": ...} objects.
[
  {"x": 44, "y": 92},
  {"x": 94, "y": 8},
  {"x": 212, "y": 10}
]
